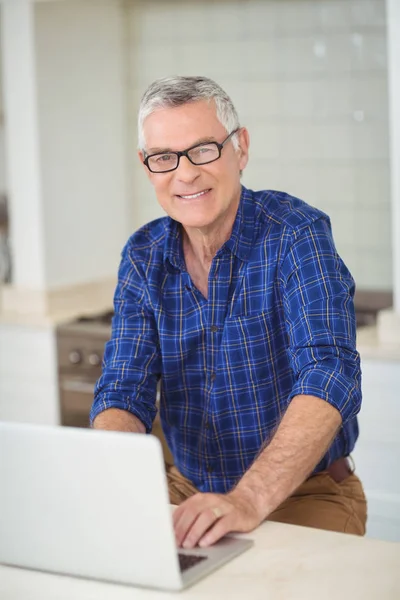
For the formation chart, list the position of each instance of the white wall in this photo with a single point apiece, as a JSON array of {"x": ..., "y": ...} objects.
[
  {"x": 22, "y": 145},
  {"x": 393, "y": 35},
  {"x": 3, "y": 184},
  {"x": 309, "y": 79},
  {"x": 82, "y": 111}
]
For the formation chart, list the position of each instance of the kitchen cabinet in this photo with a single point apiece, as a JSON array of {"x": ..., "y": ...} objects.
[{"x": 377, "y": 453}]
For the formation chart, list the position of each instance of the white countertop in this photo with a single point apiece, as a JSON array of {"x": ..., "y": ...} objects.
[
  {"x": 287, "y": 562},
  {"x": 50, "y": 308}
]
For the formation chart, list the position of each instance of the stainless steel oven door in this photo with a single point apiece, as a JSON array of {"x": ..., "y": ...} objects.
[
  {"x": 76, "y": 400},
  {"x": 76, "y": 393}
]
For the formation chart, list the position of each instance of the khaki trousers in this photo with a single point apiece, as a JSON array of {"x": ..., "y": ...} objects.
[{"x": 319, "y": 502}]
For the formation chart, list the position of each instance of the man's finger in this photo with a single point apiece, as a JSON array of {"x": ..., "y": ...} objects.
[
  {"x": 181, "y": 509},
  {"x": 216, "y": 532},
  {"x": 185, "y": 523},
  {"x": 204, "y": 521},
  {"x": 189, "y": 511}
]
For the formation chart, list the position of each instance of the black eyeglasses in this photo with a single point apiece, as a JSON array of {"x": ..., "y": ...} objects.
[{"x": 201, "y": 154}]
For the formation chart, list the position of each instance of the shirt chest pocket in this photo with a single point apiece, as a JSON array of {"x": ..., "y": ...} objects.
[{"x": 248, "y": 350}]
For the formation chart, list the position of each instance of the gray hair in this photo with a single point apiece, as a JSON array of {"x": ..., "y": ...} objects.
[{"x": 170, "y": 92}]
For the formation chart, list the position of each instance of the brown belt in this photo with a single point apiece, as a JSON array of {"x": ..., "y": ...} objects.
[{"x": 340, "y": 469}]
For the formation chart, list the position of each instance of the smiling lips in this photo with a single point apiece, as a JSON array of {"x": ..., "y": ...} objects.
[{"x": 193, "y": 196}]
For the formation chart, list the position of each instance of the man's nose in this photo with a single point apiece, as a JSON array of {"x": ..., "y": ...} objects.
[{"x": 186, "y": 170}]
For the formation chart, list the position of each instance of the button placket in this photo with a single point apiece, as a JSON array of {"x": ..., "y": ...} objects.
[{"x": 219, "y": 284}]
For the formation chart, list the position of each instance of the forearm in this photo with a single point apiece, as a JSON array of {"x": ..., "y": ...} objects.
[
  {"x": 115, "y": 419},
  {"x": 302, "y": 438}
]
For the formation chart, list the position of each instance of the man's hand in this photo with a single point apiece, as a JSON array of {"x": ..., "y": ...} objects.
[{"x": 204, "y": 518}]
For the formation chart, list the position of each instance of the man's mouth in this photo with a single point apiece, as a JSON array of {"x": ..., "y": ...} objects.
[{"x": 193, "y": 196}]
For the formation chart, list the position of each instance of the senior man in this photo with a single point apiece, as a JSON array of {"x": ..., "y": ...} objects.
[{"x": 240, "y": 304}]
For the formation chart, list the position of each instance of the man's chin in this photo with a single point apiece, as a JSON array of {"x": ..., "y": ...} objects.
[{"x": 196, "y": 222}]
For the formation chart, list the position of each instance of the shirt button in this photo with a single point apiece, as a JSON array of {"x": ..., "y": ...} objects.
[
  {"x": 214, "y": 328},
  {"x": 213, "y": 377},
  {"x": 209, "y": 468},
  {"x": 207, "y": 425}
]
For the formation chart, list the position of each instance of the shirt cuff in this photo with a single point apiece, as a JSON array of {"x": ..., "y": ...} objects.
[
  {"x": 342, "y": 392},
  {"x": 144, "y": 412}
]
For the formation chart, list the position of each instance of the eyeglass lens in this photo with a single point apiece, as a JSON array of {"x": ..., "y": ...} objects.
[{"x": 199, "y": 156}]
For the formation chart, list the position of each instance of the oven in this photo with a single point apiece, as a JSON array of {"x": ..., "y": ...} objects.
[{"x": 80, "y": 348}]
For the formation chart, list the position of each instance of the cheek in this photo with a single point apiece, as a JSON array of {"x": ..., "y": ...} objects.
[{"x": 161, "y": 186}]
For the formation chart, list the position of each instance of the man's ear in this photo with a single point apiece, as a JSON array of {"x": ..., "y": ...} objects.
[
  {"x": 244, "y": 144},
  {"x": 141, "y": 159}
]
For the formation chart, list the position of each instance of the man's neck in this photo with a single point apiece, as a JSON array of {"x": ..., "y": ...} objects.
[{"x": 203, "y": 244}]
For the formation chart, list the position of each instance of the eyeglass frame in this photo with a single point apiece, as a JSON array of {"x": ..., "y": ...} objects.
[{"x": 186, "y": 153}]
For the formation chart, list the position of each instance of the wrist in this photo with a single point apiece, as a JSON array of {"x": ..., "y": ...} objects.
[{"x": 253, "y": 491}]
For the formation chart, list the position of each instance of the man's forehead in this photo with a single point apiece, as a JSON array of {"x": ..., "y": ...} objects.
[{"x": 180, "y": 127}]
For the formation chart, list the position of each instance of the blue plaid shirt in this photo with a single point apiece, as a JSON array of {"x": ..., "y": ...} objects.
[{"x": 279, "y": 321}]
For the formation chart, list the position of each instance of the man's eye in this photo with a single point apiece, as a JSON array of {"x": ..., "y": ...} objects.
[
  {"x": 204, "y": 149},
  {"x": 164, "y": 157},
  {"x": 200, "y": 151}
]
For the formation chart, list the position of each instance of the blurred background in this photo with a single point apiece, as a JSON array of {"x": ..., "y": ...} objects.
[{"x": 316, "y": 82}]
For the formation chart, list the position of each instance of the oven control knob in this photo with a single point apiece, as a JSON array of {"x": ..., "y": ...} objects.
[
  {"x": 75, "y": 357},
  {"x": 94, "y": 359}
]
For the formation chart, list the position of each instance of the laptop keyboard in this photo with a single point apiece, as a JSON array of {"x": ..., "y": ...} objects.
[{"x": 186, "y": 561}]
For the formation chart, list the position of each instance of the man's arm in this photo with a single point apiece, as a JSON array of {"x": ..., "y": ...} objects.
[
  {"x": 302, "y": 438},
  {"x": 125, "y": 394},
  {"x": 304, "y": 435},
  {"x": 317, "y": 292},
  {"x": 115, "y": 419}
]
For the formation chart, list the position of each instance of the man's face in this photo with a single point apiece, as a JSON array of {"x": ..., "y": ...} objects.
[{"x": 217, "y": 183}]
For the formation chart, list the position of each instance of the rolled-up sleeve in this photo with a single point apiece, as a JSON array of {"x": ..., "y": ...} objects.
[
  {"x": 131, "y": 365},
  {"x": 318, "y": 291}
]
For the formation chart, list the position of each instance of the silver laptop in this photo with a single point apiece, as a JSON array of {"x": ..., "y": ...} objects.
[{"x": 94, "y": 504}]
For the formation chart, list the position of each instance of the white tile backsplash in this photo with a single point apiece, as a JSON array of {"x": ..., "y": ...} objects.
[
  {"x": 266, "y": 99},
  {"x": 370, "y": 94},
  {"x": 370, "y": 141},
  {"x": 261, "y": 19},
  {"x": 266, "y": 142},
  {"x": 368, "y": 13},
  {"x": 301, "y": 181},
  {"x": 301, "y": 56},
  {"x": 309, "y": 79},
  {"x": 368, "y": 51},
  {"x": 336, "y": 188},
  {"x": 371, "y": 268},
  {"x": 372, "y": 185},
  {"x": 335, "y": 141},
  {"x": 298, "y": 99},
  {"x": 373, "y": 228},
  {"x": 295, "y": 17},
  {"x": 301, "y": 141},
  {"x": 334, "y": 15},
  {"x": 331, "y": 97},
  {"x": 260, "y": 59}
]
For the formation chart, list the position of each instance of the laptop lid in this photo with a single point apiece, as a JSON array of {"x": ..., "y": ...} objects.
[{"x": 86, "y": 503}]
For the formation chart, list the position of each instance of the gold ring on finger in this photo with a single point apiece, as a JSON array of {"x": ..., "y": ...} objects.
[{"x": 217, "y": 512}]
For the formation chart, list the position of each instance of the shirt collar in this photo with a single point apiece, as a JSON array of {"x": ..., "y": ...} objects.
[
  {"x": 173, "y": 254},
  {"x": 241, "y": 240},
  {"x": 239, "y": 243}
]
